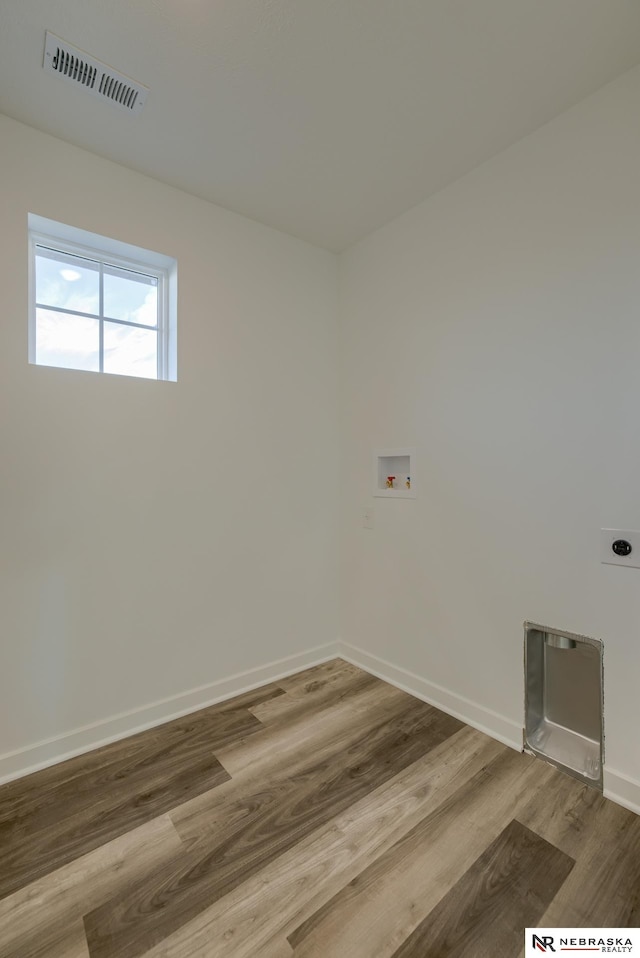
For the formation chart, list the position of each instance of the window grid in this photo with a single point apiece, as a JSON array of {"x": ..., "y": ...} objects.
[{"x": 50, "y": 244}]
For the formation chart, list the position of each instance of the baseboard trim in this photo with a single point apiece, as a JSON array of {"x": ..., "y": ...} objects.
[
  {"x": 618, "y": 787},
  {"x": 491, "y": 723},
  {"x": 621, "y": 789},
  {"x": 42, "y": 754}
]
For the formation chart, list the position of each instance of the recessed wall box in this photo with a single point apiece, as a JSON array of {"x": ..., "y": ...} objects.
[
  {"x": 563, "y": 701},
  {"x": 394, "y": 473}
]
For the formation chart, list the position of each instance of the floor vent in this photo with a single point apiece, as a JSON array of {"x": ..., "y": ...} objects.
[{"x": 76, "y": 67}]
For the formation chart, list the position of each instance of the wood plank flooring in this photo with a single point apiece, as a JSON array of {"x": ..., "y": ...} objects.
[
  {"x": 506, "y": 889},
  {"x": 328, "y": 815}
]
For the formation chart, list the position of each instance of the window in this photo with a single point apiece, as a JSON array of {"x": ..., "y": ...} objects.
[{"x": 100, "y": 305}]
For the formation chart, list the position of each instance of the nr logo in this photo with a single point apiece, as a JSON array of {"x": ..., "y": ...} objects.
[{"x": 544, "y": 943}]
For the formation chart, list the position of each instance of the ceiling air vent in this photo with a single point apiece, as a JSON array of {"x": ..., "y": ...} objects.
[{"x": 93, "y": 76}]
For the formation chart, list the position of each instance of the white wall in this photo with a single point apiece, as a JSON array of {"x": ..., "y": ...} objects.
[
  {"x": 156, "y": 537},
  {"x": 497, "y": 328}
]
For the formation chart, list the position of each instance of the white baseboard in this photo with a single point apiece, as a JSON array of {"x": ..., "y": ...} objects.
[
  {"x": 31, "y": 758},
  {"x": 619, "y": 788},
  {"x": 622, "y": 789},
  {"x": 497, "y": 726}
]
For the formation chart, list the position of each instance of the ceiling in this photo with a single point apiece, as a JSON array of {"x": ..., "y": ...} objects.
[{"x": 323, "y": 118}]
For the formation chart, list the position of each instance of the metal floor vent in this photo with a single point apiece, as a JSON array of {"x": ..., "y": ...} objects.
[{"x": 95, "y": 77}]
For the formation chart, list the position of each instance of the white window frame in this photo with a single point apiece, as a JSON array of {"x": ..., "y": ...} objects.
[{"x": 108, "y": 252}]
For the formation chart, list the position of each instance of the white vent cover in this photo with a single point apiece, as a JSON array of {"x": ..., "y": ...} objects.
[{"x": 93, "y": 76}]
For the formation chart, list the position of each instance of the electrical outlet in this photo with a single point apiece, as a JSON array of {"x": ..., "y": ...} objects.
[
  {"x": 367, "y": 517},
  {"x": 620, "y": 547}
]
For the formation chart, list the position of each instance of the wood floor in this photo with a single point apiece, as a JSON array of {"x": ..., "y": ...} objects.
[{"x": 327, "y": 815}]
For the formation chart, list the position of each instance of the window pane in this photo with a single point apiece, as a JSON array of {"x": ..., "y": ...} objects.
[
  {"x": 130, "y": 296},
  {"x": 66, "y": 281},
  {"x": 130, "y": 351},
  {"x": 69, "y": 341}
]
